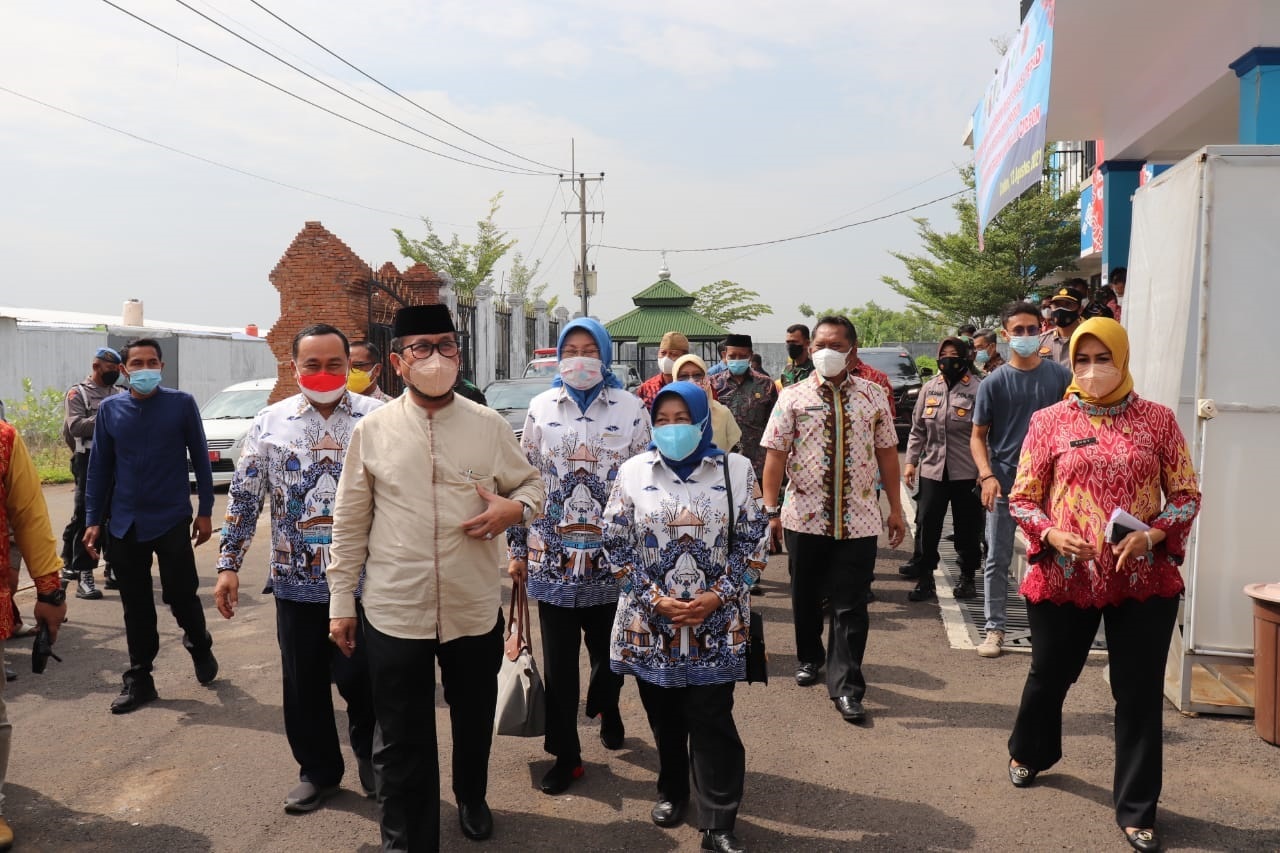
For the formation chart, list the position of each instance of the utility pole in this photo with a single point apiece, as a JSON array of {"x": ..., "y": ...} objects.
[{"x": 581, "y": 180}]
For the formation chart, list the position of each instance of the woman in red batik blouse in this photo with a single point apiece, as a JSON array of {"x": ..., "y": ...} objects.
[{"x": 1102, "y": 448}]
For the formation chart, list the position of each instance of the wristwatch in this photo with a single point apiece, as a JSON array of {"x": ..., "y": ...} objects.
[
  {"x": 772, "y": 511},
  {"x": 57, "y": 598},
  {"x": 527, "y": 517}
]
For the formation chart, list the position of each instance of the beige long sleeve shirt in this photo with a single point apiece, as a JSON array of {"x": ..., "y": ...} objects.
[{"x": 408, "y": 483}]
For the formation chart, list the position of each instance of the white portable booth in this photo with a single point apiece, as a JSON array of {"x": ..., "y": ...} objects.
[{"x": 1200, "y": 310}]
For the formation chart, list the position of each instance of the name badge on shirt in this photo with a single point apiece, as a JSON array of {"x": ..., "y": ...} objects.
[
  {"x": 1085, "y": 442},
  {"x": 815, "y": 408}
]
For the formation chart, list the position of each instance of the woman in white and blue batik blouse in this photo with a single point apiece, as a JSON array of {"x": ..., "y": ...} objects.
[{"x": 685, "y": 605}]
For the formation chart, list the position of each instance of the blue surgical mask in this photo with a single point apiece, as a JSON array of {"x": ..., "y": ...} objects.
[
  {"x": 144, "y": 381},
  {"x": 981, "y": 357},
  {"x": 739, "y": 366},
  {"x": 677, "y": 441},
  {"x": 1025, "y": 345}
]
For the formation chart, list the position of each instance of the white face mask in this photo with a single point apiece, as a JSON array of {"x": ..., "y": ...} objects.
[
  {"x": 829, "y": 363},
  {"x": 581, "y": 373},
  {"x": 665, "y": 364},
  {"x": 1119, "y": 300}
]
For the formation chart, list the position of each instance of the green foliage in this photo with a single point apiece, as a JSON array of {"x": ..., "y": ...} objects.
[
  {"x": 469, "y": 264},
  {"x": 876, "y": 325},
  {"x": 727, "y": 302},
  {"x": 520, "y": 281},
  {"x": 38, "y": 418},
  {"x": 927, "y": 361},
  {"x": 1029, "y": 239}
]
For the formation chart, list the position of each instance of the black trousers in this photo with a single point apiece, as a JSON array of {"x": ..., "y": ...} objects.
[
  {"x": 405, "y": 752},
  {"x": 564, "y": 630},
  {"x": 1138, "y": 635},
  {"x": 131, "y": 560},
  {"x": 74, "y": 556},
  {"x": 966, "y": 519},
  {"x": 308, "y": 664},
  {"x": 697, "y": 722},
  {"x": 840, "y": 571}
]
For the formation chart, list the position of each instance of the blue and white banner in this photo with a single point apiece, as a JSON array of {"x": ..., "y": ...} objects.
[{"x": 1009, "y": 124}]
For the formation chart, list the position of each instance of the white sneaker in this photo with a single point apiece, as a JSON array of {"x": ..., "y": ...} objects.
[{"x": 992, "y": 646}]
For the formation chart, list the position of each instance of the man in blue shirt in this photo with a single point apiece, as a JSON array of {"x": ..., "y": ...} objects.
[
  {"x": 1001, "y": 414},
  {"x": 293, "y": 455},
  {"x": 141, "y": 441}
]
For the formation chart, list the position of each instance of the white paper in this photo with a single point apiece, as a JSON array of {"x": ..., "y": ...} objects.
[{"x": 1124, "y": 519}]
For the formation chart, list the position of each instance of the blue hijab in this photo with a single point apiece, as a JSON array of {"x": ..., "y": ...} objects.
[
  {"x": 699, "y": 412},
  {"x": 605, "y": 343}
]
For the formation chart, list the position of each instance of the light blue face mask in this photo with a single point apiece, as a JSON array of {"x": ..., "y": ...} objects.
[
  {"x": 981, "y": 357},
  {"x": 1025, "y": 345},
  {"x": 739, "y": 366},
  {"x": 677, "y": 441},
  {"x": 144, "y": 381}
]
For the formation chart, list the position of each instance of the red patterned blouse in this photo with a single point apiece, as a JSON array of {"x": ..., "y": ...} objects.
[{"x": 1079, "y": 463}]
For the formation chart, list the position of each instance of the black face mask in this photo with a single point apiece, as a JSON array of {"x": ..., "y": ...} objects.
[
  {"x": 109, "y": 377},
  {"x": 1063, "y": 318},
  {"x": 951, "y": 367},
  {"x": 796, "y": 352}
]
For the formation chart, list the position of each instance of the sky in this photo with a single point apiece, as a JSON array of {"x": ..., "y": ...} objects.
[{"x": 716, "y": 122}]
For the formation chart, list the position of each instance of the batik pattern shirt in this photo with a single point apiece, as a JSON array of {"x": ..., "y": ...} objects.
[
  {"x": 750, "y": 401},
  {"x": 871, "y": 374},
  {"x": 1079, "y": 463},
  {"x": 294, "y": 455},
  {"x": 667, "y": 537},
  {"x": 579, "y": 455},
  {"x": 830, "y": 434},
  {"x": 649, "y": 389},
  {"x": 796, "y": 373}
]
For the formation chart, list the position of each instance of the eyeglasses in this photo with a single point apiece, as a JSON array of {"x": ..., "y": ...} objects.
[
  {"x": 423, "y": 349},
  {"x": 590, "y": 352},
  {"x": 1024, "y": 331}
]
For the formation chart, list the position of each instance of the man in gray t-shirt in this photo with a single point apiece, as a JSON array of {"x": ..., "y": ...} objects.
[{"x": 1007, "y": 399}]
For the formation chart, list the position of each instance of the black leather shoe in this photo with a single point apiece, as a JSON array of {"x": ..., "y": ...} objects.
[
  {"x": 1021, "y": 775},
  {"x": 965, "y": 589},
  {"x": 722, "y": 841},
  {"x": 476, "y": 820},
  {"x": 909, "y": 570},
  {"x": 110, "y": 582},
  {"x": 807, "y": 674},
  {"x": 612, "y": 732},
  {"x": 851, "y": 709},
  {"x": 668, "y": 813},
  {"x": 307, "y": 797},
  {"x": 922, "y": 593},
  {"x": 206, "y": 668},
  {"x": 134, "y": 695},
  {"x": 561, "y": 775},
  {"x": 1145, "y": 840}
]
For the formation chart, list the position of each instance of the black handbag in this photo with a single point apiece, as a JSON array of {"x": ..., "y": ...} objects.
[{"x": 757, "y": 657}]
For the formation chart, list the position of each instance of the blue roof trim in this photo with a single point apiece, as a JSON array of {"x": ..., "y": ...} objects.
[{"x": 1255, "y": 57}]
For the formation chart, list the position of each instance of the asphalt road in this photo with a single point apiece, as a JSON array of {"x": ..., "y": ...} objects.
[{"x": 207, "y": 768}]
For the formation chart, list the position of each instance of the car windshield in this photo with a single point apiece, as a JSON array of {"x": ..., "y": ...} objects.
[
  {"x": 542, "y": 368},
  {"x": 226, "y": 405},
  {"x": 897, "y": 364},
  {"x": 515, "y": 395}
]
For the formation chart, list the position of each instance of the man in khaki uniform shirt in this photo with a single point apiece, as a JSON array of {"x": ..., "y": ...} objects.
[{"x": 430, "y": 483}]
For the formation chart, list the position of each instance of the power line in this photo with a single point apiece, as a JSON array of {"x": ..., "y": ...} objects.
[
  {"x": 341, "y": 93},
  {"x": 794, "y": 236},
  {"x": 546, "y": 214},
  {"x": 206, "y": 160},
  {"x": 409, "y": 100},
  {"x": 298, "y": 97}
]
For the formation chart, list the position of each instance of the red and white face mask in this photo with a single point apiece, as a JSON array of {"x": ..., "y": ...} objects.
[{"x": 323, "y": 388}]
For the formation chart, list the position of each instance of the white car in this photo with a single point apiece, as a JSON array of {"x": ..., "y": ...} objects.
[{"x": 227, "y": 417}]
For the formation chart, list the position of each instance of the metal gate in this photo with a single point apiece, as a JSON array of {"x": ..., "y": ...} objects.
[
  {"x": 466, "y": 319},
  {"x": 502, "y": 328},
  {"x": 383, "y": 302}
]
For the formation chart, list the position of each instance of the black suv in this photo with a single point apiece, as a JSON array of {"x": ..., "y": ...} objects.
[{"x": 900, "y": 367}]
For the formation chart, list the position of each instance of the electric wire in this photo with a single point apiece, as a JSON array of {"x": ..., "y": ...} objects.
[
  {"x": 341, "y": 93},
  {"x": 792, "y": 237},
  {"x": 205, "y": 160},
  {"x": 546, "y": 214},
  {"x": 304, "y": 100},
  {"x": 405, "y": 98}
]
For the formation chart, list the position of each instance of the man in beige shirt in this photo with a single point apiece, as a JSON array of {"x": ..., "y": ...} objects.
[{"x": 430, "y": 482}]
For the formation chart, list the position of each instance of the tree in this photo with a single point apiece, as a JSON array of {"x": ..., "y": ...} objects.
[
  {"x": 727, "y": 302},
  {"x": 520, "y": 281},
  {"x": 876, "y": 324},
  {"x": 1031, "y": 238},
  {"x": 469, "y": 264}
]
